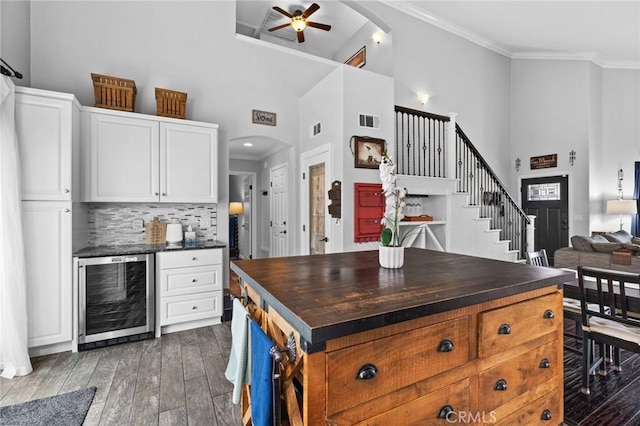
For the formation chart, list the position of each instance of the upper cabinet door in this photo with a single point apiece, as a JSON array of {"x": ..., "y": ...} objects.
[
  {"x": 45, "y": 130},
  {"x": 188, "y": 163},
  {"x": 124, "y": 159}
]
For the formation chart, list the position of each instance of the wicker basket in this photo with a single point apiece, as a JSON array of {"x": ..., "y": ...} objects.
[
  {"x": 171, "y": 103},
  {"x": 114, "y": 92}
]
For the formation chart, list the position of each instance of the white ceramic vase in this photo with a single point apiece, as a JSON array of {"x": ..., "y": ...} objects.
[{"x": 391, "y": 257}]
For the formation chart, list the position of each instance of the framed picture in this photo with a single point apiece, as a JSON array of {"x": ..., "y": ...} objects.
[
  {"x": 368, "y": 153},
  {"x": 359, "y": 58}
]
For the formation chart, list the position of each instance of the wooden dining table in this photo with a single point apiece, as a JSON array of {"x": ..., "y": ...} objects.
[{"x": 632, "y": 293}]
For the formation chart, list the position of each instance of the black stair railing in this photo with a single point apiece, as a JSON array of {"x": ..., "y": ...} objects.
[{"x": 421, "y": 150}]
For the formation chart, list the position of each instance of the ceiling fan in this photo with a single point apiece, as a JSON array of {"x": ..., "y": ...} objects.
[{"x": 299, "y": 21}]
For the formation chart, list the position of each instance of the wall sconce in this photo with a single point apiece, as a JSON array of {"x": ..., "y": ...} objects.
[
  {"x": 572, "y": 157},
  {"x": 518, "y": 163},
  {"x": 377, "y": 36},
  {"x": 423, "y": 98}
]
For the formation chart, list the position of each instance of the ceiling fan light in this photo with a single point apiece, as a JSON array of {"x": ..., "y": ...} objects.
[{"x": 298, "y": 23}]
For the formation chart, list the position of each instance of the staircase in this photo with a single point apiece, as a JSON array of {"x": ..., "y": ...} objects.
[{"x": 482, "y": 218}]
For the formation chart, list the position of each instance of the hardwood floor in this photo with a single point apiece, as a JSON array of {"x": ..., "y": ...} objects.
[
  {"x": 179, "y": 380},
  {"x": 175, "y": 380}
]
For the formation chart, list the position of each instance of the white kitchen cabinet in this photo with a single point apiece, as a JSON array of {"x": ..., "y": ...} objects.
[
  {"x": 143, "y": 158},
  {"x": 188, "y": 289},
  {"x": 47, "y": 126},
  {"x": 47, "y": 236}
]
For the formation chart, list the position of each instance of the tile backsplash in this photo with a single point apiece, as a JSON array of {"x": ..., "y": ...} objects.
[{"x": 112, "y": 223}]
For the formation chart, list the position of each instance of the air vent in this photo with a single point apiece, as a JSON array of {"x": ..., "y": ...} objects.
[
  {"x": 369, "y": 121},
  {"x": 316, "y": 129}
]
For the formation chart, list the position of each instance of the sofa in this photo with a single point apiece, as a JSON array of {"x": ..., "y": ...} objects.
[{"x": 598, "y": 251}]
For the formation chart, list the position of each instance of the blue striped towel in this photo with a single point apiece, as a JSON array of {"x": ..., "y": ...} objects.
[{"x": 261, "y": 377}]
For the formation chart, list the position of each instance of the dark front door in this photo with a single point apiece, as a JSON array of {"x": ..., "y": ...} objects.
[{"x": 548, "y": 199}]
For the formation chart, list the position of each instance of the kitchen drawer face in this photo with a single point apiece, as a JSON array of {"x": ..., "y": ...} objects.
[
  {"x": 187, "y": 258},
  {"x": 178, "y": 281},
  {"x": 424, "y": 410},
  {"x": 518, "y": 375},
  {"x": 504, "y": 328},
  {"x": 543, "y": 411},
  {"x": 177, "y": 309},
  {"x": 400, "y": 360}
]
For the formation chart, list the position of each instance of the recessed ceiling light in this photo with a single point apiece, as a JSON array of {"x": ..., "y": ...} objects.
[{"x": 247, "y": 144}]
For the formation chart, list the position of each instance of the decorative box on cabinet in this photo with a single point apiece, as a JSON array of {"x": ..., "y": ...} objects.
[
  {"x": 189, "y": 287},
  {"x": 142, "y": 158}
]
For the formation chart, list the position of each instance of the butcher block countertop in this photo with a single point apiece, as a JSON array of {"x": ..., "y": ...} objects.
[{"x": 333, "y": 295}]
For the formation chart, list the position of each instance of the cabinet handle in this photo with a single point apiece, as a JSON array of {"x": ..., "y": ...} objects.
[
  {"x": 545, "y": 363},
  {"x": 445, "y": 346},
  {"x": 504, "y": 329},
  {"x": 501, "y": 385},
  {"x": 367, "y": 372},
  {"x": 445, "y": 412},
  {"x": 548, "y": 314},
  {"x": 546, "y": 415},
  {"x": 164, "y": 194},
  {"x": 157, "y": 194},
  {"x": 194, "y": 280},
  {"x": 66, "y": 191},
  {"x": 194, "y": 258},
  {"x": 194, "y": 308},
  {"x": 67, "y": 210}
]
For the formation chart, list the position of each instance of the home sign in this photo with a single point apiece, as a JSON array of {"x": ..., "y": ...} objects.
[
  {"x": 544, "y": 161},
  {"x": 263, "y": 117}
]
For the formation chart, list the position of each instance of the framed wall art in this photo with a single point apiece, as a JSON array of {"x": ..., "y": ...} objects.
[
  {"x": 368, "y": 152},
  {"x": 359, "y": 58}
]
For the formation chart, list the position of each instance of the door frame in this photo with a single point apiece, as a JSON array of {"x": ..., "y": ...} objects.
[
  {"x": 569, "y": 192},
  {"x": 254, "y": 207},
  {"x": 305, "y": 157}
]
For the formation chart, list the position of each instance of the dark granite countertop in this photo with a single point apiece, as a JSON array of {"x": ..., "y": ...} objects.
[
  {"x": 333, "y": 295},
  {"x": 115, "y": 250}
]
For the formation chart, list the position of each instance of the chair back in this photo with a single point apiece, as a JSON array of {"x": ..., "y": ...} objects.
[
  {"x": 537, "y": 258},
  {"x": 610, "y": 300}
]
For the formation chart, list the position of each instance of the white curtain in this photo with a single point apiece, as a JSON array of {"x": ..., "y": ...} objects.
[{"x": 14, "y": 354}]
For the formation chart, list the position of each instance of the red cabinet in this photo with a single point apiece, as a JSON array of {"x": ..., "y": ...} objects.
[{"x": 369, "y": 209}]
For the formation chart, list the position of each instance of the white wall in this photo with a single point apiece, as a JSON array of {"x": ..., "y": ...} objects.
[
  {"x": 15, "y": 38},
  {"x": 379, "y": 57}
]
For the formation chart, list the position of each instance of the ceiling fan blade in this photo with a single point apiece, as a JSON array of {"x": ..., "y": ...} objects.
[
  {"x": 284, "y": 12},
  {"x": 320, "y": 26},
  {"x": 279, "y": 27},
  {"x": 310, "y": 10},
  {"x": 300, "y": 37}
]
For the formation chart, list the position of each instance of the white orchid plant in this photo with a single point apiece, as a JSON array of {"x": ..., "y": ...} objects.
[{"x": 391, "y": 235}]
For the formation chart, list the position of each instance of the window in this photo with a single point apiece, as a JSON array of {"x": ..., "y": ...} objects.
[{"x": 544, "y": 192}]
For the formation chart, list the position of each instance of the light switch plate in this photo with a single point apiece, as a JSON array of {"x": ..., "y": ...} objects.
[
  {"x": 138, "y": 224},
  {"x": 205, "y": 222}
]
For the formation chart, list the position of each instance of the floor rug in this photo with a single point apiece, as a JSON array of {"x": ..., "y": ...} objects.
[{"x": 68, "y": 409}]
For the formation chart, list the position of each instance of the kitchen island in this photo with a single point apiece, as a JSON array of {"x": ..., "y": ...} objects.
[{"x": 446, "y": 337}]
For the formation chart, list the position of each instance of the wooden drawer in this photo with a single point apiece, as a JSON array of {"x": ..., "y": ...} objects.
[
  {"x": 505, "y": 381},
  {"x": 425, "y": 409},
  {"x": 400, "y": 360},
  {"x": 177, "y": 309},
  {"x": 546, "y": 410},
  {"x": 189, "y": 258},
  {"x": 179, "y": 281},
  {"x": 505, "y": 328}
]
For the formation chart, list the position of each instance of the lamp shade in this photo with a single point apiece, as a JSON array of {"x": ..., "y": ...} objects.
[
  {"x": 236, "y": 207},
  {"x": 621, "y": 207}
]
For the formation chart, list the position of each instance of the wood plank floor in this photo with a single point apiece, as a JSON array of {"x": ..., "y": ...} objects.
[{"x": 179, "y": 380}]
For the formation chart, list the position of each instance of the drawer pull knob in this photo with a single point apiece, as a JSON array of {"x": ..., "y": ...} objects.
[
  {"x": 194, "y": 258},
  {"x": 501, "y": 385},
  {"x": 445, "y": 412},
  {"x": 194, "y": 308},
  {"x": 504, "y": 329},
  {"x": 367, "y": 372},
  {"x": 548, "y": 314},
  {"x": 545, "y": 363},
  {"x": 194, "y": 280},
  {"x": 445, "y": 346},
  {"x": 546, "y": 415}
]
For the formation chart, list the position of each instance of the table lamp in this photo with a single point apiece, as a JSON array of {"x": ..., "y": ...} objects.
[{"x": 621, "y": 207}]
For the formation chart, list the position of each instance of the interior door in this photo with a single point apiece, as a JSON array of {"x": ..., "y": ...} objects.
[
  {"x": 279, "y": 214},
  {"x": 548, "y": 199},
  {"x": 244, "y": 227},
  {"x": 316, "y": 222},
  {"x": 317, "y": 208}
]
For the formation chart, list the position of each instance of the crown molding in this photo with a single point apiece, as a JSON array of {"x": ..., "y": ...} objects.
[{"x": 445, "y": 25}]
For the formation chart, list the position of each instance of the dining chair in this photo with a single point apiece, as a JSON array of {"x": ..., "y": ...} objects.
[
  {"x": 606, "y": 323},
  {"x": 537, "y": 258}
]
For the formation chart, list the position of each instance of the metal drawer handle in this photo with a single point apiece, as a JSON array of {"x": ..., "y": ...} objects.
[
  {"x": 194, "y": 280},
  {"x": 194, "y": 308},
  {"x": 367, "y": 372},
  {"x": 194, "y": 258},
  {"x": 66, "y": 191},
  {"x": 546, "y": 415},
  {"x": 504, "y": 329},
  {"x": 501, "y": 385},
  {"x": 445, "y": 346},
  {"x": 445, "y": 412},
  {"x": 545, "y": 363},
  {"x": 548, "y": 314}
]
